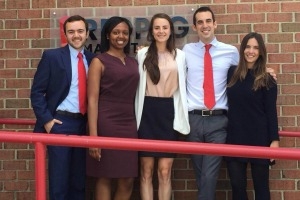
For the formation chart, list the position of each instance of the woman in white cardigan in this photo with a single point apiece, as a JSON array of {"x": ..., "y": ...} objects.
[{"x": 160, "y": 104}]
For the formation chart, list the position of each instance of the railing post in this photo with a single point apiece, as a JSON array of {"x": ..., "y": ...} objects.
[{"x": 40, "y": 171}]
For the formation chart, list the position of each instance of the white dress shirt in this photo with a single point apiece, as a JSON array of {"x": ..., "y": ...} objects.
[{"x": 223, "y": 56}]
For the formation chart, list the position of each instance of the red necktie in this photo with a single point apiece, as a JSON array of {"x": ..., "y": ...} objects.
[
  {"x": 208, "y": 85},
  {"x": 81, "y": 84}
]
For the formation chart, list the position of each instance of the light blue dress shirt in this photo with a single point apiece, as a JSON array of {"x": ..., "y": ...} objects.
[
  {"x": 71, "y": 102},
  {"x": 223, "y": 56}
]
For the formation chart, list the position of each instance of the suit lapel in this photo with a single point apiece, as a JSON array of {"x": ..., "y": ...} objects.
[
  {"x": 89, "y": 56},
  {"x": 66, "y": 60}
]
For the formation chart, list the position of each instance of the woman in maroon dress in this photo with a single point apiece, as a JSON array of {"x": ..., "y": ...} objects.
[{"x": 112, "y": 82}]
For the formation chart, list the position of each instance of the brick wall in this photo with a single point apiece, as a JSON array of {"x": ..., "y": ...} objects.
[{"x": 25, "y": 33}]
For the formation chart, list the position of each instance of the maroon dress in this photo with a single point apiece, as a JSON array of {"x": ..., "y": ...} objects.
[{"x": 116, "y": 117}]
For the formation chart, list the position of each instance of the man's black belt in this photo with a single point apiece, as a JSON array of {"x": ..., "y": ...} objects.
[
  {"x": 70, "y": 114},
  {"x": 205, "y": 113}
]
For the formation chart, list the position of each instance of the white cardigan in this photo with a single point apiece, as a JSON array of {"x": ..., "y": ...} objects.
[{"x": 181, "y": 122}]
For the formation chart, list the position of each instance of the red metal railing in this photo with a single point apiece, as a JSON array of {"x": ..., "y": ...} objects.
[{"x": 41, "y": 140}]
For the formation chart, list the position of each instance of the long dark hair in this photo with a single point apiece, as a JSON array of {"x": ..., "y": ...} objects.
[
  {"x": 109, "y": 25},
  {"x": 151, "y": 60},
  {"x": 262, "y": 78}
]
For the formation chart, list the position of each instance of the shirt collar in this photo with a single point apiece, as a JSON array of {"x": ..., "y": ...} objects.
[
  {"x": 213, "y": 42},
  {"x": 74, "y": 52}
]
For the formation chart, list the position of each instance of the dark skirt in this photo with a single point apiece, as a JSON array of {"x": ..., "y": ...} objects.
[{"x": 157, "y": 124}]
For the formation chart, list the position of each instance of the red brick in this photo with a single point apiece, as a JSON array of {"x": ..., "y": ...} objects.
[
  {"x": 297, "y": 78},
  {"x": 266, "y": 27},
  {"x": 290, "y": 47},
  {"x": 41, "y": 43},
  {"x": 19, "y": 63},
  {"x": 6, "y": 195},
  {"x": 286, "y": 78},
  {"x": 185, "y": 195},
  {"x": 290, "y": 110},
  {"x": 25, "y": 195},
  {"x": 184, "y": 174},
  {"x": 30, "y": 14},
  {"x": 279, "y": 17},
  {"x": 14, "y": 165},
  {"x": 291, "y": 195},
  {"x": 26, "y": 175},
  {"x": 17, "y": 83},
  {"x": 92, "y": 3},
  {"x": 290, "y": 27},
  {"x": 239, "y": 8},
  {"x": 180, "y": 164},
  {"x": 8, "y": 14},
  {"x": 26, "y": 113},
  {"x": 266, "y": 7},
  {"x": 291, "y": 174},
  {"x": 280, "y": 37},
  {"x": 224, "y": 1},
  {"x": 7, "y": 155},
  {"x": 172, "y": 2},
  {"x": 275, "y": 174},
  {"x": 290, "y": 68},
  {"x": 8, "y": 53},
  {"x": 279, "y": 184},
  {"x": 230, "y": 39},
  {"x": 290, "y": 6},
  {"x": 191, "y": 184},
  {"x": 228, "y": 19},
  {"x": 8, "y": 175},
  {"x": 281, "y": 58},
  {"x": 7, "y": 113},
  {"x": 25, "y": 154},
  {"x": 29, "y": 34},
  {"x": 15, "y": 145},
  {"x": 272, "y": 48},
  {"x": 298, "y": 58},
  {"x": 40, "y": 23},
  {"x": 253, "y": 18},
  {"x": 16, "y": 186},
  {"x": 43, "y": 4},
  {"x": 120, "y": 3},
  {"x": 178, "y": 184},
  {"x": 46, "y": 34},
  {"x": 17, "y": 44},
  {"x": 276, "y": 195},
  {"x": 30, "y": 53},
  {"x": 8, "y": 93},
  {"x": 16, "y": 4},
  {"x": 9, "y": 73},
  {"x": 286, "y": 121},
  {"x": 17, "y": 24},
  {"x": 243, "y": 28}
]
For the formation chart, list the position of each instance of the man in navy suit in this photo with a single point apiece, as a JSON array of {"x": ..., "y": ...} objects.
[{"x": 54, "y": 98}]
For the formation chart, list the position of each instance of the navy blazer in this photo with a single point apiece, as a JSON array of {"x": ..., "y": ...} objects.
[{"x": 51, "y": 83}]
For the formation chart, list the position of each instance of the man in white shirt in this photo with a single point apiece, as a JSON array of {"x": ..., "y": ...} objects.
[{"x": 207, "y": 125}]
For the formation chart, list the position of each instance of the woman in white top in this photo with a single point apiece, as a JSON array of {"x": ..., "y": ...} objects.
[{"x": 160, "y": 104}]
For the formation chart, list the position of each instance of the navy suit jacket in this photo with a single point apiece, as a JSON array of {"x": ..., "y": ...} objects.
[{"x": 51, "y": 83}]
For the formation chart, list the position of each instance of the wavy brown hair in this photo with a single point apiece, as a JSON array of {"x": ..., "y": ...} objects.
[
  {"x": 262, "y": 77},
  {"x": 151, "y": 60}
]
